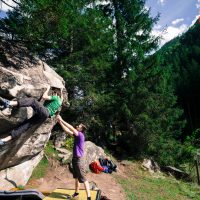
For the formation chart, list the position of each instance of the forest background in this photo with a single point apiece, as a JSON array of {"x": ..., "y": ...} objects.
[{"x": 136, "y": 99}]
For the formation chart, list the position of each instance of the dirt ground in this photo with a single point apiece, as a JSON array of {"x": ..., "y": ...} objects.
[{"x": 59, "y": 177}]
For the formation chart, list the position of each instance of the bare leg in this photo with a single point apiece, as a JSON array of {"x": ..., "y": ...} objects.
[
  {"x": 6, "y": 139},
  {"x": 13, "y": 103},
  {"x": 87, "y": 188},
  {"x": 77, "y": 186},
  {"x": 6, "y": 103}
]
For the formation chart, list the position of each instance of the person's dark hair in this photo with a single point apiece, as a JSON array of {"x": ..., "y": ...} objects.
[
  {"x": 56, "y": 91},
  {"x": 84, "y": 128}
]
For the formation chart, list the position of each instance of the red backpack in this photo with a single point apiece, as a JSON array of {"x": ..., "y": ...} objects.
[{"x": 94, "y": 167}]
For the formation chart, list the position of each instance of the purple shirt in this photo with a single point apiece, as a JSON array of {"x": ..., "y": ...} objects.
[{"x": 78, "y": 149}]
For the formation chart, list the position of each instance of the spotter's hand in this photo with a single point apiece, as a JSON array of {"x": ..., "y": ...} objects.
[{"x": 59, "y": 118}]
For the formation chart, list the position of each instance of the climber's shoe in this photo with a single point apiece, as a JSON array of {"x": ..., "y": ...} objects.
[
  {"x": 73, "y": 196},
  {"x": 2, "y": 142},
  {"x": 5, "y": 103}
]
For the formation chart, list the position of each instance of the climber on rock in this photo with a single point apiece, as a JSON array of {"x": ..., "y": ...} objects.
[{"x": 42, "y": 112}]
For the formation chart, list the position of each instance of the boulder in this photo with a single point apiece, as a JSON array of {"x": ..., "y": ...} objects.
[
  {"x": 63, "y": 151},
  {"x": 18, "y": 175},
  {"x": 23, "y": 75},
  {"x": 177, "y": 173},
  {"x": 65, "y": 155},
  {"x": 92, "y": 152},
  {"x": 150, "y": 165},
  {"x": 59, "y": 139}
]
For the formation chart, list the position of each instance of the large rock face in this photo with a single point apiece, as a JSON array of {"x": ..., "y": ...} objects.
[
  {"x": 18, "y": 175},
  {"x": 23, "y": 75},
  {"x": 92, "y": 152}
]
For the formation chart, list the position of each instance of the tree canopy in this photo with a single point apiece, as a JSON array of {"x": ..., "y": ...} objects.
[{"x": 104, "y": 51}]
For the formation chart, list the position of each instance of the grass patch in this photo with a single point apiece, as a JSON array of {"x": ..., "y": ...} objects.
[
  {"x": 41, "y": 169},
  {"x": 20, "y": 187},
  {"x": 50, "y": 151},
  {"x": 141, "y": 185}
]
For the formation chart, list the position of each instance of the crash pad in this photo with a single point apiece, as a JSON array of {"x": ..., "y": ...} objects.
[{"x": 61, "y": 194}]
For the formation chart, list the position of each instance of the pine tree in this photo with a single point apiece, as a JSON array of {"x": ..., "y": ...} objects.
[
  {"x": 182, "y": 56},
  {"x": 144, "y": 104},
  {"x": 104, "y": 52}
]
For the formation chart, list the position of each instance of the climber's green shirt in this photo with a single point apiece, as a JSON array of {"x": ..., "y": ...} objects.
[{"x": 53, "y": 104}]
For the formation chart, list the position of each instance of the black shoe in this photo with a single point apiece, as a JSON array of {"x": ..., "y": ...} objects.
[
  {"x": 5, "y": 103},
  {"x": 73, "y": 195}
]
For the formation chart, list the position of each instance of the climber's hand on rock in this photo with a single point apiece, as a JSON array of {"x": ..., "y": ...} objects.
[{"x": 48, "y": 87}]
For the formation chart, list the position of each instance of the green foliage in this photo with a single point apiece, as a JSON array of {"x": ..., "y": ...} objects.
[
  {"x": 181, "y": 55},
  {"x": 180, "y": 58},
  {"x": 144, "y": 103},
  {"x": 191, "y": 145},
  {"x": 123, "y": 93},
  {"x": 40, "y": 170},
  {"x": 50, "y": 150},
  {"x": 69, "y": 143},
  {"x": 20, "y": 187},
  {"x": 42, "y": 167}
]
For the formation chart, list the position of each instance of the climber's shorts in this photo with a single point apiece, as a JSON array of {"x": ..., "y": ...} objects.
[{"x": 78, "y": 169}]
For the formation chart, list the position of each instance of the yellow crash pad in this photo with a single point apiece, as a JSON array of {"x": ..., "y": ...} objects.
[{"x": 61, "y": 194}]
